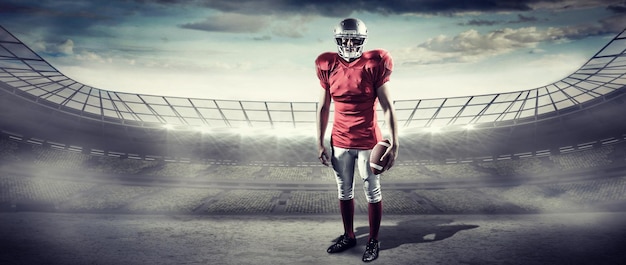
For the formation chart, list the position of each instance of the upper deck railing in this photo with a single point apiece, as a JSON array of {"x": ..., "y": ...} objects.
[{"x": 26, "y": 74}]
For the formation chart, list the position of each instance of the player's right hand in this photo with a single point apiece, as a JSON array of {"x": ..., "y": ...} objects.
[
  {"x": 392, "y": 152},
  {"x": 322, "y": 155}
]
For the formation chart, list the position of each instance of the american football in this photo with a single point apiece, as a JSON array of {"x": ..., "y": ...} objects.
[{"x": 376, "y": 164}]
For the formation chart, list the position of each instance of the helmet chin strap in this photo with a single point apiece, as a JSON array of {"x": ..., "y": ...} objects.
[
  {"x": 350, "y": 59},
  {"x": 350, "y": 56}
]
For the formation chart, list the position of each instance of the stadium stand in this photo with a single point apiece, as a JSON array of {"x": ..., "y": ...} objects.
[
  {"x": 49, "y": 157},
  {"x": 8, "y": 151},
  {"x": 289, "y": 174},
  {"x": 65, "y": 146},
  {"x": 108, "y": 197},
  {"x": 463, "y": 201},
  {"x": 584, "y": 159},
  {"x": 118, "y": 165},
  {"x": 172, "y": 200},
  {"x": 38, "y": 190},
  {"x": 403, "y": 202},
  {"x": 179, "y": 170},
  {"x": 232, "y": 172},
  {"x": 408, "y": 173},
  {"x": 327, "y": 174},
  {"x": 312, "y": 202},
  {"x": 244, "y": 202},
  {"x": 517, "y": 167}
]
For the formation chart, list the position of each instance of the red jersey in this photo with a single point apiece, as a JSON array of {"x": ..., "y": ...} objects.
[{"x": 353, "y": 87}]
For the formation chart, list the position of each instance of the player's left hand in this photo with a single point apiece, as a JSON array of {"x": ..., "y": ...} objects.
[
  {"x": 323, "y": 155},
  {"x": 392, "y": 152}
]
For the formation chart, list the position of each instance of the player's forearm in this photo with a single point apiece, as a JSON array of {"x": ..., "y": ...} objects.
[
  {"x": 322, "y": 123},
  {"x": 392, "y": 123}
]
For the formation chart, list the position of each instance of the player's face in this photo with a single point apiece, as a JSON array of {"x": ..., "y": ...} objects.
[{"x": 350, "y": 43}]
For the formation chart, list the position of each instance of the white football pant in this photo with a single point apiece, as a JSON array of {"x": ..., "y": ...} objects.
[{"x": 343, "y": 161}]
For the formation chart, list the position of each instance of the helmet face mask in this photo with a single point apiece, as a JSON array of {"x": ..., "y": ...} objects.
[
  {"x": 354, "y": 41},
  {"x": 350, "y": 37}
]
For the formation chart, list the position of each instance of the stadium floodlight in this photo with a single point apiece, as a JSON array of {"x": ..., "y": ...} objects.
[
  {"x": 168, "y": 126},
  {"x": 468, "y": 127}
]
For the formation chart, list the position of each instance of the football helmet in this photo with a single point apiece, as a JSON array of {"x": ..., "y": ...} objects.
[{"x": 350, "y": 36}]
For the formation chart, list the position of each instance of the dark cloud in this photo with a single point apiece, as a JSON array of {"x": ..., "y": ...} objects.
[
  {"x": 60, "y": 18},
  {"x": 115, "y": 8},
  {"x": 482, "y": 22},
  {"x": 17, "y": 7},
  {"x": 345, "y": 8},
  {"x": 54, "y": 18},
  {"x": 612, "y": 24},
  {"x": 95, "y": 10},
  {"x": 618, "y": 9},
  {"x": 230, "y": 22},
  {"x": 523, "y": 19}
]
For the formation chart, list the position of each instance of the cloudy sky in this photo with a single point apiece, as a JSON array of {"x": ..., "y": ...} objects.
[{"x": 265, "y": 49}]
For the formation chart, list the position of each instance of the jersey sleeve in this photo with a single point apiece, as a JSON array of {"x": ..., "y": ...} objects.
[
  {"x": 323, "y": 65},
  {"x": 384, "y": 69}
]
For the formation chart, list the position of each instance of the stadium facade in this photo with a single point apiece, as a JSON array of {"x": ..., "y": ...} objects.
[
  {"x": 40, "y": 105},
  {"x": 95, "y": 176}
]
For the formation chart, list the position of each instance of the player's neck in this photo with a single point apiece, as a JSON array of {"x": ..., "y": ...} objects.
[{"x": 350, "y": 60}]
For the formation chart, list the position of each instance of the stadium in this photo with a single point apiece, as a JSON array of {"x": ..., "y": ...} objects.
[{"x": 91, "y": 176}]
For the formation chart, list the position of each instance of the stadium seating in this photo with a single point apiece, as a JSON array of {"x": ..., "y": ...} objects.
[
  {"x": 67, "y": 180},
  {"x": 289, "y": 174},
  {"x": 173, "y": 200},
  {"x": 244, "y": 202},
  {"x": 597, "y": 157}
]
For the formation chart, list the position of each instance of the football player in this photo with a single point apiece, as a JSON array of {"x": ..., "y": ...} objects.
[{"x": 356, "y": 81}]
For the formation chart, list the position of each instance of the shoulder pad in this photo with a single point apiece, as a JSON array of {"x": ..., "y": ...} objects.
[
  {"x": 379, "y": 57},
  {"x": 326, "y": 60},
  {"x": 377, "y": 54}
]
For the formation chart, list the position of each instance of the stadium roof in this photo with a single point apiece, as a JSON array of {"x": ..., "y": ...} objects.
[{"x": 26, "y": 74}]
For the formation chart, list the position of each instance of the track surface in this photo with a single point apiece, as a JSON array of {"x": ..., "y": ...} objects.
[{"x": 70, "y": 238}]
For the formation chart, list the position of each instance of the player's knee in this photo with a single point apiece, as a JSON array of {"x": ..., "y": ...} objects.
[
  {"x": 374, "y": 199},
  {"x": 374, "y": 195},
  {"x": 345, "y": 197},
  {"x": 345, "y": 191}
]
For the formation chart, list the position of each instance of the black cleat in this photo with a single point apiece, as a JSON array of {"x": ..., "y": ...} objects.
[
  {"x": 343, "y": 243},
  {"x": 371, "y": 250}
]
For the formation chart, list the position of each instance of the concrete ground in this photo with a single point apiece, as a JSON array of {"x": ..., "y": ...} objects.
[{"x": 70, "y": 238}]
